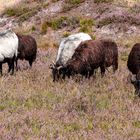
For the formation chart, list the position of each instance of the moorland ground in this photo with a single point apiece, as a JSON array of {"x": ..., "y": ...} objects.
[{"x": 32, "y": 106}]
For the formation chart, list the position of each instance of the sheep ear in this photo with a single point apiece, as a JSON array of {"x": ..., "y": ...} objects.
[
  {"x": 58, "y": 68},
  {"x": 52, "y": 66},
  {"x": 133, "y": 79}
]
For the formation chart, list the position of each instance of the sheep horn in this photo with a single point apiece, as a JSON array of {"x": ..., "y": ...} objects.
[
  {"x": 53, "y": 63},
  {"x": 58, "y": 68}
]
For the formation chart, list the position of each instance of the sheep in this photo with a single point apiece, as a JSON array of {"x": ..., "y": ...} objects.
[
  {"x": 8, "y": 49},
  {"x": 90, "y": 55},
  {"x": 27, "y": 49},
  {"x": 66, "y": 50},
  {"x": 133, "y": 65}
]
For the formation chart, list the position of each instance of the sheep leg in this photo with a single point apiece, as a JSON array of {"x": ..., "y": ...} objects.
[
  {"x": 91, "y": 72},
  {"x": 1, "y": 69},
  {"x": 102, "y": 70},
  {"x": 115, "y": 66},
  {"x": 9, "y": 66},
  {"x": 12, "y": 67},
  {"x": 54, "y": 74},
  {"x": 30, "y": 62},
  {"x": 16, "y": 62}
]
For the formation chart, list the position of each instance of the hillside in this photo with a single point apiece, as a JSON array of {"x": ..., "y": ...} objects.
[
  {"x": 32, "y": 106},
  {"x": 59, "y": 18}
]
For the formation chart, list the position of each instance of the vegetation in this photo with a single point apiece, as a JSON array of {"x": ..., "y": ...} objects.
[
  {"x": 35, "y": 107},
  {"x": 103, "y": 1},
  {"x": 69, "y": 4},
  {"x": 59, "y": 23},
  {"x": 72, "y": 22},
  {"x": 66, "y": 34},
  {"x": 86, "y": 25},
  {"x": 97, "y": 108},
  {"x": 23, "y": 12}
]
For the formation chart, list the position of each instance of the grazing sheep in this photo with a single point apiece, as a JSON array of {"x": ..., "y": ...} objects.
[
  {"x": 8, "y": 49},
  {"x": 27, "y": 49},
  {"x": 111, "y": 54},
  {"x": 66, "y": 50},
  {"x": 90, "y": 55},
  {"x": 87, "y": 57},
  {"x": 133, "y": 65}
]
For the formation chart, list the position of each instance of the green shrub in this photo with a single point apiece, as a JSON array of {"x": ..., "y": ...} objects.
[
  {"x": 86, "y": 25},
  {"x": 16, "y": 11},
  {"x": 66, "y": 34},
  {"x": 33, "y": 28},
  {"x": 136, "y": 124},
  {"x": 59, "y": 23},
  {"x": 23, "y": 12},
  {"x": 44, "y": 27}
]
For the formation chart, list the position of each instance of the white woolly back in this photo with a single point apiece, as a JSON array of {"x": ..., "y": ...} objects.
[
  {"x": 68, "y": 45},
  {"x": 8, "y": 44}
]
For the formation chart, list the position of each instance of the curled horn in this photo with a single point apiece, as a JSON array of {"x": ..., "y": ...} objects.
[
  {"x": 53, "y": 63},
  {"x": 58, "y": 68}
]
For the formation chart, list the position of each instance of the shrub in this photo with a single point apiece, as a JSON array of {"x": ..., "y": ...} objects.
[
  {"x": 86, "y": 25},
  {"x": 44, "y": 27},
  {"x": 33, "y": 28},
  {"x": 66, "y": 34},
  {"x": 23, "y": 12},
  {"x": 59, "y": 23},
  {"x": 16, "y": 11}
]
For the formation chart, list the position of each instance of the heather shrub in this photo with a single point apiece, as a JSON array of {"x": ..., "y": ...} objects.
[
  {"x": 23, "y": 12},
  {"x": 86, "y": 25},
  {"x": 66, "y": 34},
  {"x": 59, "y": 23}
]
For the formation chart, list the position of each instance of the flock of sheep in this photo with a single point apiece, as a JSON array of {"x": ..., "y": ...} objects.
[
  {"x": 15, "y": 46},
  {"x": 77, "y": 54}
]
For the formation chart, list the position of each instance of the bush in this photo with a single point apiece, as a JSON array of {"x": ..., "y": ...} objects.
[
  {"x": 33, "y": 28},
  {"x": 44, "y": 27},
  {"x": 86, "y": 25},
  {"x": 66, "y": 34},
  {"x": 17, "y": 11},
  {"x": 59, "y": 23},
  {"x": 23, "y": 12}
]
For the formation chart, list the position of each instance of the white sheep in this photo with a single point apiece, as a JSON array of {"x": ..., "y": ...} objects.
[{"x": 8, "y": 49}]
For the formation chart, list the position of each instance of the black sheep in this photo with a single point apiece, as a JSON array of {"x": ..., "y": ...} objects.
[
  {"x": 27, "y": 49},
  {"x": 133, "y": 65}
]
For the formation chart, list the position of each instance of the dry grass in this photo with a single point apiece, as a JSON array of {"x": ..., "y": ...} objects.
[{"x": 33, "y": 107}]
